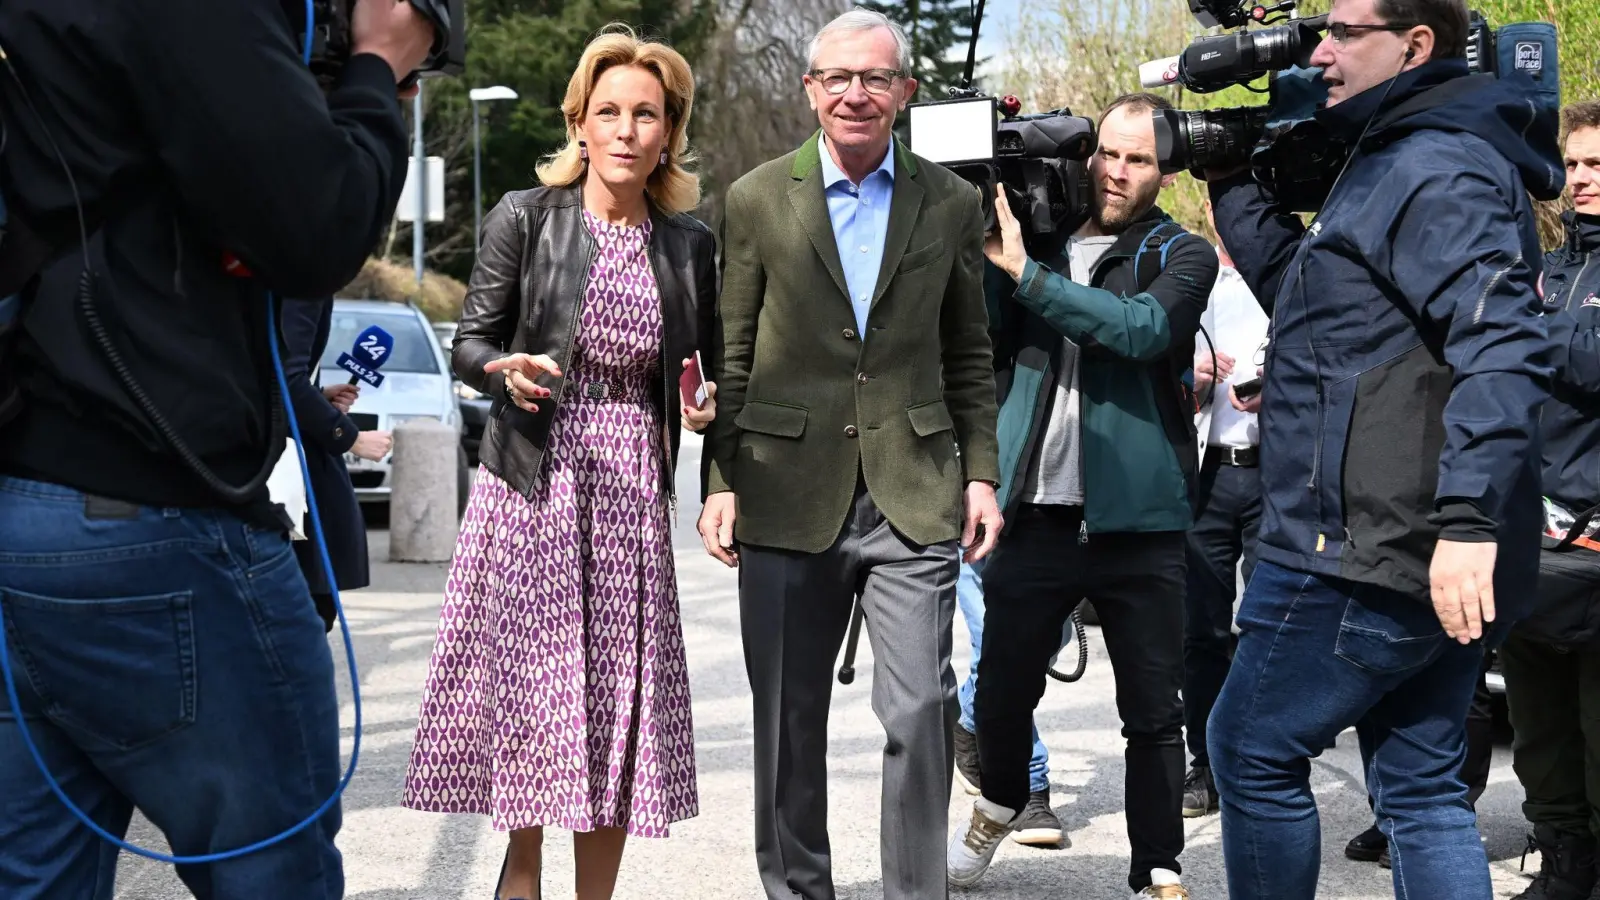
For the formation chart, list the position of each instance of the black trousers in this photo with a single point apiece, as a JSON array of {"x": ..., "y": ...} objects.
[
  {"x": 1553, "y": 693},
  {"x": 1224, "y": 532},
  {"x": 1039, "y": 572}
]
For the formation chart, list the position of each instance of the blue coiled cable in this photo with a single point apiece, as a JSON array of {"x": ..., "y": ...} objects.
[{"x": 344, "y": 625}]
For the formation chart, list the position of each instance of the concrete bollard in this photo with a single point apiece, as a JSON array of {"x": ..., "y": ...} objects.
[{"x": 422, "y": 492}]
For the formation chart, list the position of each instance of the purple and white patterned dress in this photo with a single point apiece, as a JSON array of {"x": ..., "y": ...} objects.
[{"x": 558, "y": 691}]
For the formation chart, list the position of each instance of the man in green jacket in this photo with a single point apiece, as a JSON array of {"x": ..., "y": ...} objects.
[
  {"x": 853, "y": 453},
  {"x": 1097, "y": 460}
]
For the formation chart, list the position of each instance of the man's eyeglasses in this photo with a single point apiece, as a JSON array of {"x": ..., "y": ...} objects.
[
  {"x": 837, "y": 81},
  {"x": 1341, "y": 31}
]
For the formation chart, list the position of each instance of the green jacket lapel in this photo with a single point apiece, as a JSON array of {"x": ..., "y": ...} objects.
[
  {"x": 811, "y": 209},
  {"x": 904, "y": 205}
]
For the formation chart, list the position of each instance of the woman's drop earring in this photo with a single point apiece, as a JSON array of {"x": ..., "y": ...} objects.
[
  {"x": 663, "y": 157},
  {"x": 583, "y": 150}
]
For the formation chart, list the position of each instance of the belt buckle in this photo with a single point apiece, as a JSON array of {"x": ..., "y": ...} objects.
[{"x": 597, "y": 390}]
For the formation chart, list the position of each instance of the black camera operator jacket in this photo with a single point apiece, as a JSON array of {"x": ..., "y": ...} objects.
[
  {"x": 212, "y": 168},
  {"x": 1135, "y": 326},
  {"x": 1408, "y": 358},
  {"x": 1567, "y": 610}
]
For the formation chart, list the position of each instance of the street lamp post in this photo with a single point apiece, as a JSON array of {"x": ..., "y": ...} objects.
[{"x": 498, "y": 92}]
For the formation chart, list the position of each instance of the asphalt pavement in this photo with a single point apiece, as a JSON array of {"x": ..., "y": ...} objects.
[{"x": 392, "y": 853}]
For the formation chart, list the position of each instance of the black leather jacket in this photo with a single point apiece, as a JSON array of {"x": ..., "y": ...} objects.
[{"x": 525, "y": 295}]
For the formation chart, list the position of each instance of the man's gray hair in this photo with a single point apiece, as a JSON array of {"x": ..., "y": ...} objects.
[{"x": 861, "y": 20}]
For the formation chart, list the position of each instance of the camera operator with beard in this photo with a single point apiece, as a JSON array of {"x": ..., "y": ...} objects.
[
  {"x": 1399, "y": 450},
  {"x": 1098, "y": 456},
  {"x": 165, "y": 648}
]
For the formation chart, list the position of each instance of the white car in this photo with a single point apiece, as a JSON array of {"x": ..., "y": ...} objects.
[{"x": 417, "y": 384}]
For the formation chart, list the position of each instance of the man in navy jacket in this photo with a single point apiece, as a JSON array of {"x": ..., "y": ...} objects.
[{"x": 1399, "y": 448}]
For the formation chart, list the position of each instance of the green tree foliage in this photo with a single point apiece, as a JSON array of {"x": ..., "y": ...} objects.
[{"x": 939, "y": 32}]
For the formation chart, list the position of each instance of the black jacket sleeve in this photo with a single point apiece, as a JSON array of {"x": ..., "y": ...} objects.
[
  {"x": 322, "y": 425},
  {"x": 300, "y": 186},
  {"x": 493, "y": 302},
  {"x": 1260, "y": 237}
]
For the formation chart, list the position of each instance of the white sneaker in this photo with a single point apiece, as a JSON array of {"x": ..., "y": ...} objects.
[
  {"x": 1164, "y": 885},
  {"x": 973, "y": 845}
]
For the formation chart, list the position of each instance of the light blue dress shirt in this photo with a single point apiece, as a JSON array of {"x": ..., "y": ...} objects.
[{"x": 860, "y": 216}]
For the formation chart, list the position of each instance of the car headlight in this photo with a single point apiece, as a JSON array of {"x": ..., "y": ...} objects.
[{"x": 467, "y": 392}]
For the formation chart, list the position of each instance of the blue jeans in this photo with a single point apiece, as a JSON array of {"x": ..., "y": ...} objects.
[
  {"x": 171, "y": 661},
  {"x": 1317, "y": 655},
  {"x": 969, "y": 596}
]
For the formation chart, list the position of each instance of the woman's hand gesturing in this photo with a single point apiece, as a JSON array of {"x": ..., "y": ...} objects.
[{"x": 521, "y": 369}]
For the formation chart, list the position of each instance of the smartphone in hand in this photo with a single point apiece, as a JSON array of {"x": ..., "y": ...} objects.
[
  {"x": 692, "y": 384},
  {"x": 1244, "y": 390}
]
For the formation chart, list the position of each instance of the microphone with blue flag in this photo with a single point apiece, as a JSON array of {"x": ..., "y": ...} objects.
[{"x": 370, "y": 351}]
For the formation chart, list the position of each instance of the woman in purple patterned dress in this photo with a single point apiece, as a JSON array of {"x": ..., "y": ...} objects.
[{"x": 558, "y": 693}]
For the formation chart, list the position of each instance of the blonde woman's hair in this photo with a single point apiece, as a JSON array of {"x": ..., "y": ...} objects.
[{"x": 673, "y": 188}]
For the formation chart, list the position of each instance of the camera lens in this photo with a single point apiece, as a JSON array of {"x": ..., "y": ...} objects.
[{"x": 1200, "y": 139}]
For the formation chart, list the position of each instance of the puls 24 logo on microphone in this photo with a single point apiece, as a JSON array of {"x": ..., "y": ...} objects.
[{"x": 368, "y": 354}]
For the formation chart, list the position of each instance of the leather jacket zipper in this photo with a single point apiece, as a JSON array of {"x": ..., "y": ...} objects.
[
  {"x": 670, "y": 475},
  {"x": 560, "y": 396}
]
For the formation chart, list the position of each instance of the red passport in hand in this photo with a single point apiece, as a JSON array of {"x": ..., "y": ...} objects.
[{"x": 692, "y": 384}]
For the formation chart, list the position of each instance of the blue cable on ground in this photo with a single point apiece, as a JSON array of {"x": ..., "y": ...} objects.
[{"x": 344, "y": 625}]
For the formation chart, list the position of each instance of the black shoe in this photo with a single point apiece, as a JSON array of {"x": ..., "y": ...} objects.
[
  {"x": 1199, "y": 793},
  {"x": 1383, "y": 859},
  {"x": 1566, "y": 865},
  {"x": 1368, "y": 846},
  {"x": 967, "y": 760},
  {"x": 502, "y": 877},
  {"x": 1038, "y": 825}
]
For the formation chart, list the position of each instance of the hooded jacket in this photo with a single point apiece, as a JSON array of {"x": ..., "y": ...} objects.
[
  {"x": 1408, "y": 357},
  {"x": 1570, "y": 422},
  {"x": 212, "y": 169}
]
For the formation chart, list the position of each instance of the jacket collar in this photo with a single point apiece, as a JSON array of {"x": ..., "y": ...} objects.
[
  {"x": 811, "y": 210},
  {"x": 809, "y": 158},
  {"x": 1126, "y": 244},
  {"x": 1376, "y": 104},
  {"x": 1583, "y": 232}
]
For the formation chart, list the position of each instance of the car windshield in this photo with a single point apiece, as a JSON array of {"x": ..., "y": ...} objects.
[{"x": 413, "y": 341}]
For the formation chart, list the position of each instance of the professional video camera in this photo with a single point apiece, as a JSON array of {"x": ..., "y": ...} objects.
[
  {"x": 1041, "y": 158},
  {"x": 331, "y": 43},
  {"x": 1294, "y": 159}
]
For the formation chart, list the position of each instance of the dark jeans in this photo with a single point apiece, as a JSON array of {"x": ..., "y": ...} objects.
[
  {"x": 1034, "y": 579},
  {"x": 1553, "y": 693},
  {"x": 171, "y": 661},
  {"x": 1317, "y": 655},
  {"x": 1479, "y": 760},
  {"x": 1223, "y": 533}
]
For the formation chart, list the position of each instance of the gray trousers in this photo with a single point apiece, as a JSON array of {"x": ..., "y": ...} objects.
[{"x": 794, "y": 610}]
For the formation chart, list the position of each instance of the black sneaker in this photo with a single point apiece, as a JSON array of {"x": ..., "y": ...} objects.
[
  {"x": 1199, "y": 793},
  {"x": 1038, "y": 825},
  {"x": 1368, "y": 846},
  {"x": 967, "y": 760}
]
